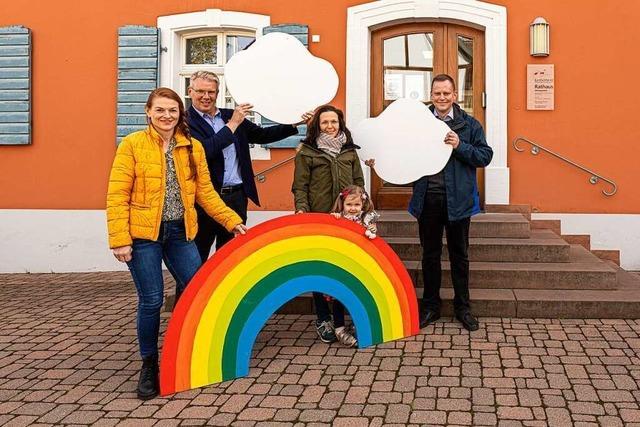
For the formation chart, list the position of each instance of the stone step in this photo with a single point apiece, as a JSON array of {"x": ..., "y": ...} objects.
[
  {"x": 583, "y": 240},
  {"x": 542, "y": 246},
  {"x": 525, "y": 210},
  {"x": 583, "y": 271},
  {"x": 547, "y": 224},
  {"x": 508, "y": 225},
  {"x": 550, "y": 304},
  {"x": 620, "y": 303},
  {"x": 612, "y": 255},
  {"x": 485, "y": 302}
]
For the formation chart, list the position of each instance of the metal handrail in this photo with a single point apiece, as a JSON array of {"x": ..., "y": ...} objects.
[
  {"x": 535, "y": 149},
  {"x": 260, "y": 176}
]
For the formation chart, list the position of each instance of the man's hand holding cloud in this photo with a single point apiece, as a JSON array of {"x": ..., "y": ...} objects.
[{"x": 406, "y": 141}]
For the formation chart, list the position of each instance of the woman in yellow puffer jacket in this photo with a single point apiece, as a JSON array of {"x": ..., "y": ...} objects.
[{"x": 157, "y": 176}]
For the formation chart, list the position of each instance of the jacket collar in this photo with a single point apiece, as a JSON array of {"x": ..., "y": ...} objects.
[
  {"x": 459, "y": 117},
  {"x": 225, "y": 113},
  {"x": 181, "y": 140}
]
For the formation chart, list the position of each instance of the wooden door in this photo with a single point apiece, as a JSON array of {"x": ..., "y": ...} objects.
[{"x": 404, "y": 59}]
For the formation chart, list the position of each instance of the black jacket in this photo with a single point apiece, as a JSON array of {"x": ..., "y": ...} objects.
[{"x": 247, "y": 133}]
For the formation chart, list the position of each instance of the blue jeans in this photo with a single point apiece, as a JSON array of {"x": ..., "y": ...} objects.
[{"x": 181, "y": 258}]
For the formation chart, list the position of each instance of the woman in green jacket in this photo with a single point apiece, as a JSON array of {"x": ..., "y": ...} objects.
[{"x": 326, "y": 163}]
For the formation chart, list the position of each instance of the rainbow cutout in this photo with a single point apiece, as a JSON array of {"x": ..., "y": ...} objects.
[{"x": 211, "y": 333}]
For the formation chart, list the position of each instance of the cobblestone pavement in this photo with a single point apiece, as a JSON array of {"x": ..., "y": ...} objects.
[{"x": 68, "y": 355}]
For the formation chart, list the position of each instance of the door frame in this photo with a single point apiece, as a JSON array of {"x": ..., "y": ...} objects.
[
  {"x": 445, "y": 60},
  {"x": 364, "y": 18}
]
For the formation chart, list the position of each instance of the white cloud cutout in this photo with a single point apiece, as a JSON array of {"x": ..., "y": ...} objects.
[
  {"x": 406, "y": 140},
  {"x": 281, "y": 78}
]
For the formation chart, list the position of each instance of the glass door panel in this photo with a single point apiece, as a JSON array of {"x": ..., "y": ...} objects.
[
  {"x": 408, "y": 67},
  {"x": 465, "y": 74}
]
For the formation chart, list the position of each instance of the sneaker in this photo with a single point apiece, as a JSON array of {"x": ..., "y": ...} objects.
[
  {"x": 325, "y": 331},
  {"x": 148, "y": 386},
  {"x": 345, "y": 337},
  {"x": 352, "y": 330}
]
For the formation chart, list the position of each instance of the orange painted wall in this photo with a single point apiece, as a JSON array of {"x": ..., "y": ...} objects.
[
  {"x": 74, "y": 98},
  {"x": 593, "y": 124}
]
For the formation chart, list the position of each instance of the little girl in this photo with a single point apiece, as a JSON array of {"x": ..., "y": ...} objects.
[{"x": 354, "y": 204}]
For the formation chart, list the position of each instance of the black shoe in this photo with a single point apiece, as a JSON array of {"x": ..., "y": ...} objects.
[
  {"x": 428, "y": 317},
  {"x": 469, "y": 322},
  {"x": 148, "y": 386}
]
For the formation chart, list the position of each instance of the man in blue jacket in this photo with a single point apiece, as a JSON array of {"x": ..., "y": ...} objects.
[
  {"x": 226, "y": 135},
  {"x": 447, "y": 200}
]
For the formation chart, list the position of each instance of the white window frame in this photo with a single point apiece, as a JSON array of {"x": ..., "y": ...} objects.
[
  {"x": 175, "y": 29},
  {"x": 187, "y": 69}
]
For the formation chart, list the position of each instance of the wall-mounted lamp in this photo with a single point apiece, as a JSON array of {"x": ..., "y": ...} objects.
[{"x": 539, "y": 37}]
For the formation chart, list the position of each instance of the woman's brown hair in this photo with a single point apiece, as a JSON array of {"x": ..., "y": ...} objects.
[
  {"x": 367, "y": 203},
  {"x": 313, "y": 127}
]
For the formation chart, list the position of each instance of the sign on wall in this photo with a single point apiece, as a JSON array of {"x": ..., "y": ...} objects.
[{"x": 540, "y": 87}]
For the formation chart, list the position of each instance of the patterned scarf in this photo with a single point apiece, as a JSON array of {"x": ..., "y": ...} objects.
[{"x": 331, "y": 145}]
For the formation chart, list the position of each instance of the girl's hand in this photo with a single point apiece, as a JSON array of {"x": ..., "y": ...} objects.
[
  {"x": 335, "y": 214},
  {"x": 299, "y": 211},
  {"x": 371, "y": 163},
  {"x": 123, "y": 253},
  {"x": 239, "y": 229},
  {"x": 371, "y": 231}
]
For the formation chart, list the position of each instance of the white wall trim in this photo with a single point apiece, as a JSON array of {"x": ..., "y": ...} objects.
[
  {"x": 63, "y": 241},
  {"x": 59, "y": 241},
  {"x": 172, "y": 27},
  {"x": 608, "y": 231},
  {"x": 362, "y": 18}
]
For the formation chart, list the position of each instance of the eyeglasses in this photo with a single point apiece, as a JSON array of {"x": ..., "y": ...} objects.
[{"x": 201, "y": 92}]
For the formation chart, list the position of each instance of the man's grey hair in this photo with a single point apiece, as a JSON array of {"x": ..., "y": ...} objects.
[{"x": 205, "y": 75}]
